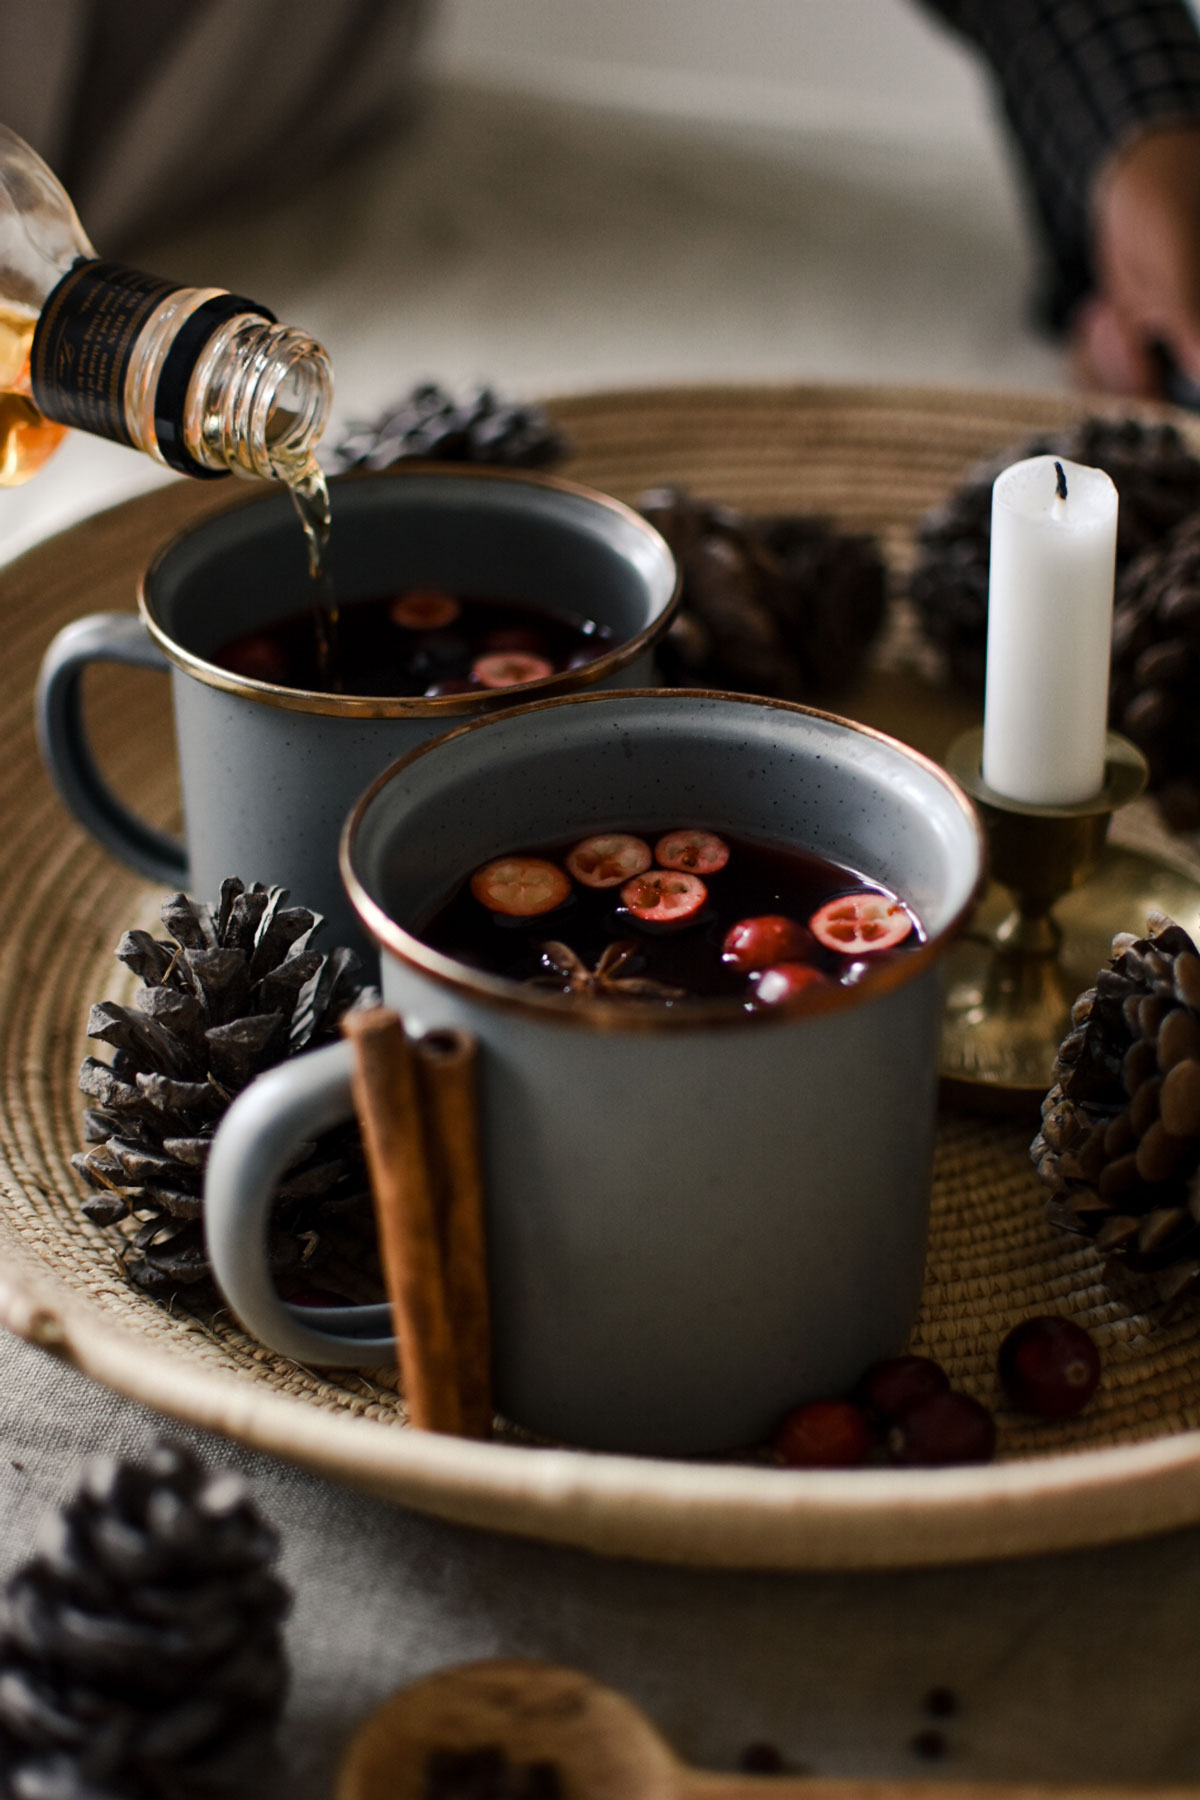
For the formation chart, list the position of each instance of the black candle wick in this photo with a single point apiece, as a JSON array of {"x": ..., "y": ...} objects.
[{"x": 1060, "y": 481}]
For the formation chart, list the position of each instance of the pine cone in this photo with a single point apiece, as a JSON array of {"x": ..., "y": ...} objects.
[
  {"x": 430, "y": 424},
  {"x": 780, "y": 605},
  {"x": 1119, "y": 1146},
  {"x": 1157, "y": 479},
  {"x": 238, "y": 990},
  {"x": 141, "y": 1651},
  {"x": 1156, "y": 669}
]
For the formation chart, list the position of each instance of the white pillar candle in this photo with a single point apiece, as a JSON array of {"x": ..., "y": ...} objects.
[{"x": 1050, "y": 605}]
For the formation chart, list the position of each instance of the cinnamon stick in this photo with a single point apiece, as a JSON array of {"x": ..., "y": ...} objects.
[
  {"x": 387, "y": 1100},
  {"x": 447, "y": 1062}
]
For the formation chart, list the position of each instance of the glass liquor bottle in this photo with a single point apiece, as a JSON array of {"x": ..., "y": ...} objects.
[{"x": 200, "y": 379}]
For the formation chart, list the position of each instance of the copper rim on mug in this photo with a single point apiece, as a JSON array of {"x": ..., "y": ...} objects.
[
  {"x": 447, "y": 706},
  {"x": 633, "y": 1014}
]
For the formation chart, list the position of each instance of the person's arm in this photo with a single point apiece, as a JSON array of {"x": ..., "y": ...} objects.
[{"x": 1102, "y": 98}]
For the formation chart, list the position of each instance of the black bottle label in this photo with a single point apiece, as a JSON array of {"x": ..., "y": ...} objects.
[{"x": 83, "y": 343}]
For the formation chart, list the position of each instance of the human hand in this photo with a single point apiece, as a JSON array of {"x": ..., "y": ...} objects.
[{"x": 1146, "y": 253}]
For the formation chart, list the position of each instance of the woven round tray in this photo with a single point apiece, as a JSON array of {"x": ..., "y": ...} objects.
[{"x": 871, "y": 460}]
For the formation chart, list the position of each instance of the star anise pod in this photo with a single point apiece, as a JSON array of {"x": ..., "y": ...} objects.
[{"x": 605, "y": 981}]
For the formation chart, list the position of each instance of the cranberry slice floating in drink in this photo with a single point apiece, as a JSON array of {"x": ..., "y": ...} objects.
[
  {"x": 757, "y": 943},
  {"x": 521, "y": 887},
  {"x": 786, "y": 981},
  {"x": 608, "y": 859},
  {"x": 258, "y": 658},
  {"x": 702, "y": 852},
  {"x": 664, "y": 897},
  {"x": 424, "y": 609},
  {"x": 521, "y": 640},
  {"x": 855, "y": 923},
  {"x": 507, "y": 668}
]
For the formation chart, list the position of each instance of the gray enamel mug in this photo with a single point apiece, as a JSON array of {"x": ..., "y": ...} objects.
[
  {"x": 698, "y": 1215},
  {"x": 268, "y": 773}
]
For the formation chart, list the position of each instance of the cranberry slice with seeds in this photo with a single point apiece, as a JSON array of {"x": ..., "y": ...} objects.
[
  {"x": 701, "y": 852},
  {"x": 664, "y": 897},
  {"x": 854, "y": 923},
  {"x": 757, "y": 943},
  {"x": 508, "y": 668},
  {"x": 608, "y": 859},
  {"x": 521, "y": 887},
  {"x": 786, "y": 981},
  {"x": 424, "y": 609}
]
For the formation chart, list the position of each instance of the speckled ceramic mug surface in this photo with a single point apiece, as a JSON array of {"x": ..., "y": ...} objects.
[
  {"x": 269, "y": 773},
  {"x": 698, "y": 1215}
]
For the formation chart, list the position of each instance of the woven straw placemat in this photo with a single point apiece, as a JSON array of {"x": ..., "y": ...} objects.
[{"x": 870, "y": 459}]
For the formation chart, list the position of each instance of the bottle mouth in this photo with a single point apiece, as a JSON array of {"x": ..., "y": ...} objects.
[
  {"x": 291, "y": 403},
  {"x": 276, "y": 405}
]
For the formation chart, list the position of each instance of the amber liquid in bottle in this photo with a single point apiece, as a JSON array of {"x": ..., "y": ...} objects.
[{"x": 26, "y": 438}]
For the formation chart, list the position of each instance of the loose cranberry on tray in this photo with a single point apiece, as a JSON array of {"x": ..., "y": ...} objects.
[
  {"x": 824, "y": 1434},
  {"x": 1050, "y": 1366}
]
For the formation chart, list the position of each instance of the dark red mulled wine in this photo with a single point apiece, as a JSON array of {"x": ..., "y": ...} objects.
[
  {"x": 675, "y": 915},
  {"x": 420, "y": 642}
]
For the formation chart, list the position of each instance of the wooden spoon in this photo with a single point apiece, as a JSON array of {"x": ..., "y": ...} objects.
[{"x": 600, "y": 1747}]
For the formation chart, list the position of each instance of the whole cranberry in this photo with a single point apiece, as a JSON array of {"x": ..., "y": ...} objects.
[
  {"x": 757, "y": 943},
  {"x": 1049, "y": 1366},
  {"x": 945, "y": 1428},
  {"x": 824, "y": 1434},
  {"x": 890, "y": 1387},
  {"x": 786, "y": 981}
]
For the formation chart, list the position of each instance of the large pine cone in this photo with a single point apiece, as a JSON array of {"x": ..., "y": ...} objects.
[
  {"x": 783, "y": 604},
  {"x": 1119, "y": 1145},
  {"x": 1157, "y": 479},
  {"x": 1156, "y": 669},
  {"x": 238, "y": 989},
  {"x": 431, "y": 425},
  {"x": 141, "y": 1652}
]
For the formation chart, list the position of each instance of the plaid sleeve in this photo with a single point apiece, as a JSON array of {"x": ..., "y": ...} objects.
[{"x": 1076, "y": 79}]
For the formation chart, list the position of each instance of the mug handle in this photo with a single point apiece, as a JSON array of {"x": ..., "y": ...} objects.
[
  {"x": 62, "y": 739},
  {"x": 253, "y": 1146}
]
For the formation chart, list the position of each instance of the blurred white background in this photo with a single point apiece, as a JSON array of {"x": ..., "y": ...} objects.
[
  {"x": 639, "y": 191},
  {"x": 880, "y": 70}
]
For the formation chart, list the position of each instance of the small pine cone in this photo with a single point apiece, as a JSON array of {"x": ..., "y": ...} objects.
[
  {"x": 431, "y": 425},
  {"x": 1157, "y": 478},
  {"x": 1156, "y": 669},
  {"x": 1119, "y": 1145},
  {"x": 238, "y": 989},
  {"x": 783, "y": 605},
  {"x": 141, "y": 1651}
]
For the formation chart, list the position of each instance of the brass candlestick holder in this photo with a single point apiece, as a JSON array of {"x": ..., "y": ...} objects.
[{"x": 1058, "y": 895}]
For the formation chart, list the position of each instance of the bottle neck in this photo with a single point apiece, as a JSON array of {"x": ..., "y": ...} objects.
[{"x": 200, "y": 379}]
